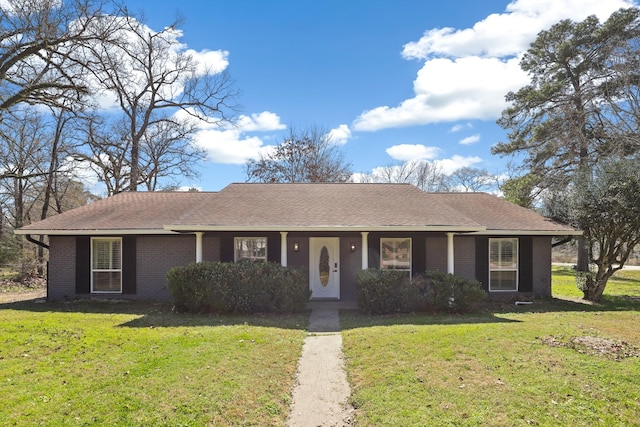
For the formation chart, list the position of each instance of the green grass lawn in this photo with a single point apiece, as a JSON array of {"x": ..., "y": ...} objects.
[
  {"x": 92, "y": 363},
  {"x": 508, "y": 366},
  {"x": 134, "y": 364}
]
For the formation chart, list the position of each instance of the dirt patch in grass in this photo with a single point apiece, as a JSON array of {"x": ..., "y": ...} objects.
[
  {"x": 12, "y": 290},
  {"x": 595, "y": 346}
]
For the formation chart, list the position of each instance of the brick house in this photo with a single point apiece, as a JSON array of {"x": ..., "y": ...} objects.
[{"x": 124, "y": 245}]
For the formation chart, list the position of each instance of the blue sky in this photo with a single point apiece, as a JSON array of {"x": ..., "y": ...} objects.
[{"x": 394, "y": 80}]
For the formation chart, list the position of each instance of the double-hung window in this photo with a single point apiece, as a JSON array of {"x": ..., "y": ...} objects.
[
  {"x": 503, "y": 264},
  {"x": 106, "y": 265},
  {"x": 250, "y": 248},
  {"x": 395, "y": 254}
]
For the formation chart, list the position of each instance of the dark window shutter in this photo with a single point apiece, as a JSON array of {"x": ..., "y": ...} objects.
[
  {"x": 482, "y": 261},
  {"x": 274, "y": 244},
  {"x": 129, "y": 263},
  {"x": 374, "y": 251},
  {"x": 226, "y": 249},
  {"x": 83, "y": 265},
  {"x": 419, "y": 254},
  {"x": 525, "y": 264}
]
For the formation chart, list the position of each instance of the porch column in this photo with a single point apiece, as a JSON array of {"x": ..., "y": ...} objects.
[
  {"x": 365, "y": 249},
  {"x": 199, "y": 246},
  {"x": 283, "y": 248},
  {"x": 450, "y": 253}
]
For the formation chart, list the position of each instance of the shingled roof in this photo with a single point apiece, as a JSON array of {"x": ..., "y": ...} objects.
[{"x": 288, "y": 207}]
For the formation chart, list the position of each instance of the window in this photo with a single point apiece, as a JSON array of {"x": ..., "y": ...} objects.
[
  {"x": 251, "y": 248},
  {"x": 503, "y": 264},
  {"x": 106, "y": 265},
  {"x": 395, "y": 254}
]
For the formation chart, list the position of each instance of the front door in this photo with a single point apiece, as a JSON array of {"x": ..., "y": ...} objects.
[{"x": 324, "y": 267}]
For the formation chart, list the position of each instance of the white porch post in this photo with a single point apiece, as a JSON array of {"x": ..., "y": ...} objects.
[
  {"x": 450, "y": 257},
  {"x": 365, "y": 249},
  {"x": 283, "y": 248},
  {"x": 199, "y": 246}
]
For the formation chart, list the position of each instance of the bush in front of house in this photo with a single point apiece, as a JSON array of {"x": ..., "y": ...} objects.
[
  {"x": 388, "y": 291},
  {"x": 244, "y": 287},
  {"x": 383, "y": 291},
  {"x": 439, "y": 291}
]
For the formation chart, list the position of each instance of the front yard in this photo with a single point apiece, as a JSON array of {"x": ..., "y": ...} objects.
[
  {"x": 551, "y": 363},
  {"x": 78, "y": 364},
  {"x": 557, "y": 362}
]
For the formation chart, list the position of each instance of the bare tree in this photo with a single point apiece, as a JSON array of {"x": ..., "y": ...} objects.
[
  {"x": 425, "y": 175},
  {"x": 162, "y": 92},
  {"x": 469, "y": 179},
  {"x": 305, "y": 156},
  {"x": 39, "y": 48}
]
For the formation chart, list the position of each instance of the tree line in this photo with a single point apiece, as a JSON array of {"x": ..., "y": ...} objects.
[{"x": 87, "y": 89}]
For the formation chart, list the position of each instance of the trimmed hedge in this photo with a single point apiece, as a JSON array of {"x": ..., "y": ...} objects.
[
  {"x": 388, "y": 291},
  {"x": 244, "y": 287}
]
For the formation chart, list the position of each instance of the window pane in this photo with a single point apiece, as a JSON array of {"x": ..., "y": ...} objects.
[
  {"x": 252, "y": 248},
  {"x": 106, "y": 254},
  {"x": 106, "y": 265},
  {"x": 106, "y": 281},
  {"x": 503, "y": 254},
  {"x": 395, "y": 254},
  {"x": 503, "y": 280}
]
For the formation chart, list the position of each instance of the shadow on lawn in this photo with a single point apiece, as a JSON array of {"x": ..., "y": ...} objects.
[
  {"x": 490, "y": 312},
  {"x": 152, "y": 315}
]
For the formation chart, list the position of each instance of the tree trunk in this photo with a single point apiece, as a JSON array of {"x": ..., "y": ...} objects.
[
  {"x": 595, "y": 290},
  {"x": 582, "y": 263},
  {"x": 135, "y": 167}
]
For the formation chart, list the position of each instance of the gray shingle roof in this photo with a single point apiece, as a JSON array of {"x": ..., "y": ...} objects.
[{"x": 298, "y": 206}]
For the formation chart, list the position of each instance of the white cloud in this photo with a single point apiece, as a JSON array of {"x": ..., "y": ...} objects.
[
  {"x": 449, "y": 90},
  {"x": 405, "y": 152},
  {"x": 459, "y": 127},
  {"x": 467, "y": 72},
  {"x": 470, "y": 139},
  {"x": 265, "y": 121},
  {"x": 231, "y": 144},
  {"x": 449, "y": 166},
  {"x": 509, "y": 33},
  {"x": 228, "y": 146},
  {"x": 339, "y": 135}
]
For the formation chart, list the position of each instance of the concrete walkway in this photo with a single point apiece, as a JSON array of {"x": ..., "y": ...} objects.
[{"x": 321, "y": 393}]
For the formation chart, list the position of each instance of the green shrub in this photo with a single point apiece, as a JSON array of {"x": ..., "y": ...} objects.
[
  {"x": 388, "y": 291},
  {"x": 439, "y": 291},
  {"x": 244, "y": 287},
  {"x": 382, "y": 291}
]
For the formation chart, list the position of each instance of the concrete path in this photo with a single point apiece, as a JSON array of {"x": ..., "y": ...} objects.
[{"x": 321, "y": 393}]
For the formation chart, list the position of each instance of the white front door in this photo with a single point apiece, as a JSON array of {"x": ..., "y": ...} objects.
[{"x": 324, "y": 267}]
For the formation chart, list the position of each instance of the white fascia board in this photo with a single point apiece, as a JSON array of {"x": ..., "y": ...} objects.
[
  {"x": 96, "y": 232},
  {"x": 528, "y": 233},
  {"x": 403, "y": 228}
]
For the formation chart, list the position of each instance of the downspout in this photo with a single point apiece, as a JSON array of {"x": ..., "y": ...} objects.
[
  {"x": 37, "y": 242},
  {"x": 562, "y": 242}
]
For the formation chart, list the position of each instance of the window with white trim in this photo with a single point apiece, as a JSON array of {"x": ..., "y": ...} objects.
[
  {"x": 395, "y": 254},
  {"x": 250, "y": 248},
  {"x": 106, "y": 265},
  {"x": 503, "y": 264}
]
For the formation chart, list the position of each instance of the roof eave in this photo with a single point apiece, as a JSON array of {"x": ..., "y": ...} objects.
[
  {"x": 94, "y": 232},
  {"x": 322, "y": 228},
  {"x": 489, "y": 232}
]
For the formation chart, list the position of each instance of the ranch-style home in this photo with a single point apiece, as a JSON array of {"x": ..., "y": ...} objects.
[{"x": 123, "y": 246}]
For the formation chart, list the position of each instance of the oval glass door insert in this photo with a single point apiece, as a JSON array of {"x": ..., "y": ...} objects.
[{"x": 324, "y": 267}]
